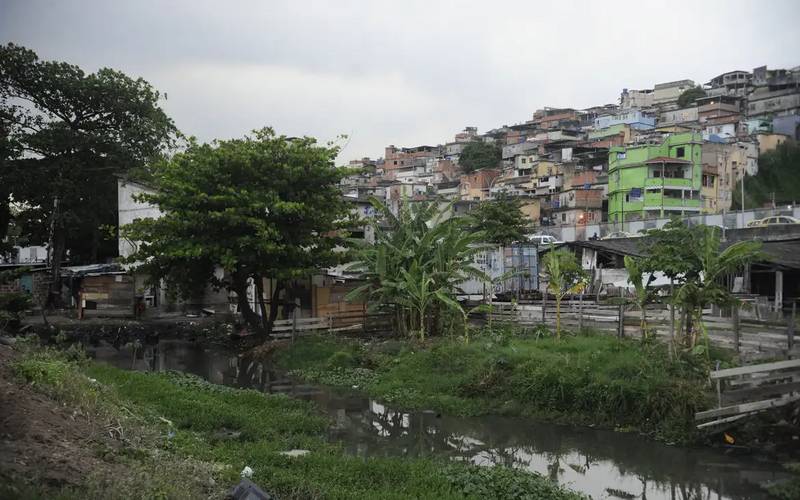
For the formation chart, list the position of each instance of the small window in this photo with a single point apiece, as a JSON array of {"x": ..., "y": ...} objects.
[{"x": 681, "y": 152}]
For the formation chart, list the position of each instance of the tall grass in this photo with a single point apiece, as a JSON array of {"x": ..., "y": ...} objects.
[
  {"x": 198, "y": 422},
  {"x": 592, "y": 379}
]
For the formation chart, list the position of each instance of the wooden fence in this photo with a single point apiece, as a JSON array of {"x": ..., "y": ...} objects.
[
  {"x": 353, "y": 322},
  {"x": 753, "y": 339},
  {"x": 746, "y": 390}
]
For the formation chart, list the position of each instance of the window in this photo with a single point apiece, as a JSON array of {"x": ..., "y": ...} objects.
[
  {"x": 621, "y": 156},
  {"x": 681, "y": 152},
  {"x": 523, "y": 160},
  {"x": 563, "y": 217}
]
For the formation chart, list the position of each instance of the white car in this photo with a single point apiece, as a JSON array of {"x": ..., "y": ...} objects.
[
  {"x": 543, "y": 239},
  {"x": 778, "y": 219}
]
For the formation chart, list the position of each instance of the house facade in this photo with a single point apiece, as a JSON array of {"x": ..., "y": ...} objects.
[{"x": 655, "y": 180}]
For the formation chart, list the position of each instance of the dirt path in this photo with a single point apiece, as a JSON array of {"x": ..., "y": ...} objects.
[{"x": 42, "y": 441}]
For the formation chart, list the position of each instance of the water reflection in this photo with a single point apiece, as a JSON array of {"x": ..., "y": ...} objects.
[{"x": 601, "y": 463}]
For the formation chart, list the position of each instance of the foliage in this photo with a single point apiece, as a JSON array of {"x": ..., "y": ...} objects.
[
  {"x": 260, "y": 207},
  {"x": 689, "y": 96},
  {"x": 501, "y": 220},
  {"x": 588, "y": 379},
  {"x": 502, "y": 482},
  {"x": 789, "y": 489},
  {"x": 691, "y": 256},
  {"x": 776, "y": 179},
  {"x": 478, "y": 155},
  {"x": 673, "y": 250},
  {"x": 565, "y": 275},
  {"x": 197, "y": 415},
  {"x": 643, "y": 293},
  {"x": 416, "y": 265},
  {"x": 67, "y": 134}
]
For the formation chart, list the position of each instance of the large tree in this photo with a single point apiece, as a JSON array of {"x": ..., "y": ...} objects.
[
  {"x": 776, "y": 180},
  {"x": 500, "y": 219},
  {"x": 265, "y": 206},
  {"x": 478, "y": 155},
  {"x": 689, "y": 96},
  {"x": 71, "y": 134}
]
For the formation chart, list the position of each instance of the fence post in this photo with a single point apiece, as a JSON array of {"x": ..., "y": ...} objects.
[
  {"x": 294, "y": 323},
  {"x": 580, "y": 311},
  {"x": 621, "y": 316},
  {"x": 790, "y": 332},
  {"x": 736, "y": 329}
]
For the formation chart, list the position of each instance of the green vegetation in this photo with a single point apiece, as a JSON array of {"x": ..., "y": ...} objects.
[
  {"x": 478, "y": 155},
  {"x": 691, "y": 256},
  {"x": 776, "y": 180},
  {"x": 66, "y": 135},
  {"x": 564, "y": 275},
  {"x": 689, "y": 96},
  {"x": 788, "y": 490},
  {"x": 220, "y": 431},
  {"x": 501, "y": 220},
  {"x": 592, "y": 379},
  {"x": 260, "y": 207},
  {"x": 416, "y": 265}
]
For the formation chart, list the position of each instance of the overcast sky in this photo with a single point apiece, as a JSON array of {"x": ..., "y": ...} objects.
[{"x": 401, "y": 72}]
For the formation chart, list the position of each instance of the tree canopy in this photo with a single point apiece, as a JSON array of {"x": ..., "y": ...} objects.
[
  {"x": 776, "y": 178},
  {"x": 265, "y": 206},
  {"x": 689, "y": 96},
  {"x": 501, "y": 220},
  {"x": 66, "y": 135},
  {"x": 478, "y": 155}
]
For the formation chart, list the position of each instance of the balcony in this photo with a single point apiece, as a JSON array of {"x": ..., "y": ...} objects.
[
  {"x": 667, "y": 182},
  {"x": 654, "y": 201}
]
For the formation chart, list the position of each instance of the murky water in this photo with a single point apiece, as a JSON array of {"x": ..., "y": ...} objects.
[{"x": 603, "y": 464}]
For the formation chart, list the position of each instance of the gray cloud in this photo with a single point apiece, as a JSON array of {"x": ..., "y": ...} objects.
[{"x": 398, "y": 72}]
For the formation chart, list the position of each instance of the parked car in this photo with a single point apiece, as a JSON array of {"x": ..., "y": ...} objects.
[
  {"x": 779, "y": 219},
  {"x": 543, "y": 239},
  {"x": 754, "y": 223}
]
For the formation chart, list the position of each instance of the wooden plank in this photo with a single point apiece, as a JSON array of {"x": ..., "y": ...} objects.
[
  {"x": 746, "y": 407},
  {"x": 764, "y": 367},
  {"x": 761, "y": 392}
]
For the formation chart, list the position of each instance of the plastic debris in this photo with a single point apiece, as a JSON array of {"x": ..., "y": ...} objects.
[
  {"x": 295, "y": 453},
  {"x": 247, "y": 472}
]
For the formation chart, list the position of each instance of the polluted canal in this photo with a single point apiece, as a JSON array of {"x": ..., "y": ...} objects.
[{"x": 600, "y": 463}]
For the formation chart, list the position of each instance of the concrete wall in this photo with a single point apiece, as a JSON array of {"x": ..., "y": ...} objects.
[{"x": 131, "y": 210}]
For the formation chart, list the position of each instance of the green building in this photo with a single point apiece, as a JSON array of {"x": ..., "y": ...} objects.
[{"x": 655, "y": 180}]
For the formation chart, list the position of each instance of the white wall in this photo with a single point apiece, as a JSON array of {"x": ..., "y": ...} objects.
[{"x": 131, "y": 210}]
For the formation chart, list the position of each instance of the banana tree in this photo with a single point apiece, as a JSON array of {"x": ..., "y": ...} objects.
[
  {"x": 419, "y": 260},
  {"x": 565, "y": 276},
  {"x": 707, "y": 287},
  {"x": 643, "y": 294}
]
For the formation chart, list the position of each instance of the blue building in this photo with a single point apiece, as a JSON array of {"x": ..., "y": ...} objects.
[{"x": 633, "y": 117}]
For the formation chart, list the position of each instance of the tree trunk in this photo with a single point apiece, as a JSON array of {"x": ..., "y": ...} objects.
[
  {"x": 258, "y": 281},
  {"x": 643, "y": 323},
  {"x": 57, "y": 255},
  {"x": 274, "y": 303},
  {"x": 250, "y": 317},
  {"x": 558, "y": 317}
]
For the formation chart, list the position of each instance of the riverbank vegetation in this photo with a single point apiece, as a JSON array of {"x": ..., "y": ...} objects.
[
  {"x": 585, "y": 379},
  {"x": 195, "y": 438}
]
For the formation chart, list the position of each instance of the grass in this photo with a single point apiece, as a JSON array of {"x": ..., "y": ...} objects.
[
  {"x": 587, "y": 379},
  {"x": 227, "y": 429}
]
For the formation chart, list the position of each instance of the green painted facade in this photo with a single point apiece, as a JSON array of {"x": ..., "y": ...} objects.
[
  {"x": 607, "y": 132},
  {"x": 638, "y": 190}
]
